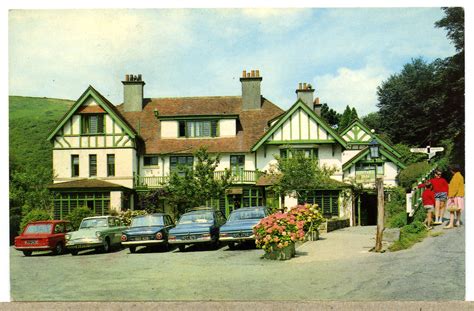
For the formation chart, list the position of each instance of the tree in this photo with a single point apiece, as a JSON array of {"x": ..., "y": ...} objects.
[
  {"x": 372, "y": 120},
  {"x": 424, "y": 104},
  {"x": 191, "y": 187},
  {"x": 330, "y": 115},
  {"x": 299, "y": 173},
  {"x": 454, "y": 23},
  {"x": 347, "y": 117}
]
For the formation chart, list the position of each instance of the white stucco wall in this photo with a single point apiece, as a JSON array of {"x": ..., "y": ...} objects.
[
  {"x": 327, "y": 158},
  {"x": 124, "y": 165},
  {"x": 348, "y": 154},
  {"x": 169, "y": 129},
  {"x": 264, "y": 162},
  {"x": 116, "y": 200},
  {"x": 227, "y": 127}
]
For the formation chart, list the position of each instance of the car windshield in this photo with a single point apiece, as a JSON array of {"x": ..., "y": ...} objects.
[
  {"x": 93, "y": 223},
  {"x": 243, "y": 215},
  {"x": 146, "y": 221},
  {"x": 196, "y": 218},
  {"x": 39, "y": 228}
]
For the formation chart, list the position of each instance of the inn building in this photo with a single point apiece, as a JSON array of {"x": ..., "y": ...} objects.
[{"x": 105, "y": 154}]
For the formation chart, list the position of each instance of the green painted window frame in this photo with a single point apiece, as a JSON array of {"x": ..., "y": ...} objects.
[
  {"x": 177, "y": 162},
  {"x": 65, "y": 202},
  {"x": 327, "y": 200},
  {"x": 92, "y": 165},
  {"x": 313, "y": 152},
  {"x": 237, "y": 163},
  {"x": 75, "y": 165},
  {"x": 110, "y": 165},
  {"x": 149, "y": 160},
  {"x": 193, "y": 128},
  {"x": 87, "y": 126}
]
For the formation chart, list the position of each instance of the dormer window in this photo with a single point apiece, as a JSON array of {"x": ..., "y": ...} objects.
[
  {"x": 207, "y": 128},
  {"x": 92, "y": 124}
]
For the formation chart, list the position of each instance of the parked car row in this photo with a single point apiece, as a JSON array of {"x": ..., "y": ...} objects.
[{"x": 199, "y": 226}]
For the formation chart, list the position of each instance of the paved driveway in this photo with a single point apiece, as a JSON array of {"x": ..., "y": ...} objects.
[{"x": 338, "y": 267}]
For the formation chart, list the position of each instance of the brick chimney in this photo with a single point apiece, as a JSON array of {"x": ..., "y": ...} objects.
[
  {"x": 133, "y": 92},
  {"x": 317, "y": 106},
  {"x": 251, "y": 93},
  {"x": 305, "y": 93}
]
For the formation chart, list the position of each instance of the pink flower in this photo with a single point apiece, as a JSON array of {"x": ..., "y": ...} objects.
[{"x": 280, "y": 245}]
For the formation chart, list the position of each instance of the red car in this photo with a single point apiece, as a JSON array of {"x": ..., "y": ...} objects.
[{"x": 43, "y": 236}]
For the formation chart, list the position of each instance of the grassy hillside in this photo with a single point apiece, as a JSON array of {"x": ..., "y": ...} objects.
[{"x": 30, "y": 121}]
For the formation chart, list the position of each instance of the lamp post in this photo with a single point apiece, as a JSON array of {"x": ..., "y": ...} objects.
[{"x": 374, "y": 154}]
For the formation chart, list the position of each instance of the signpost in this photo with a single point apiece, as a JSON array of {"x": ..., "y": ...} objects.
[{"x": 431, "y": 151}]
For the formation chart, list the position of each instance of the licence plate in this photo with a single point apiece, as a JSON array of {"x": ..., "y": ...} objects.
[
  {"x": 32, "y": 242},
  {"x": 188, "y": 237}
]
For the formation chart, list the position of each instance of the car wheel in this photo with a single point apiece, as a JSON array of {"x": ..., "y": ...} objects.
[
  {"x": 27, "y": 253},
  {"x": 166, "y": 246},
  {"x": 231, "y": 245},
  {"x": 132, "y": 249},
  {"x": 58, "y": 250},
  {"x": 74, "y": 252},
  {"x": 215, "y": 244},
  {"x": 106, "y": 247},
  {"x": 182, "y": 248}
]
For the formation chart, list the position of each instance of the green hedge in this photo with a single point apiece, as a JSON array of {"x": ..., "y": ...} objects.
[{"x": 76, "y": 216}]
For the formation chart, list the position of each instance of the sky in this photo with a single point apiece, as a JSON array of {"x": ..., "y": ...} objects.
[{"x": 344, "y": 53}]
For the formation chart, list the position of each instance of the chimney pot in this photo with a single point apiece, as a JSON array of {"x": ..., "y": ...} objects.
[
  {"x": 300, "y": 86},
  {"x": 244, "y": 73},
  {"x": 258, "y": 73},
  {"x": 304, "y": 86},
  {"x": 248, "y": 74},
  {"x": 127, "y": 77},
  {"x": 139, "y": 77},
  {"x": 252, "y": 73}
]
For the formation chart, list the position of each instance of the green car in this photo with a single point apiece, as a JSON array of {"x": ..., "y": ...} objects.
[{"x": 101, "y": 233}]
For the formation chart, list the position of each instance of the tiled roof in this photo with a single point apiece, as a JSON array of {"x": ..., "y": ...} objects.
[
  {"x": 85, "y": 184},
  {"x": 252, "y": 123}
]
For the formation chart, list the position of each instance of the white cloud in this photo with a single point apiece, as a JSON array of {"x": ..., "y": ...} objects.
[{"x": 356, "y": 88}]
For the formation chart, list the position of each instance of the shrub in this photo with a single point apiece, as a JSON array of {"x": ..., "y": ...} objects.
[
  {"x": 395, "y": 209},
  {"x": 76, "y": 216},
  {"x": 126, "y": 217},
  {"x": 34, "y": 215},
  {"x": 398, "y": 220},
  {"x": 409, "y": 235},
  {"x": 277, "y": 231},
  {"x": 411, "y": 173},
  {"x": 310, "y": 214}
]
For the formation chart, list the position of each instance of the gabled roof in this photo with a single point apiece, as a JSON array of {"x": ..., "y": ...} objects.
[
  {"x": 103, "y": 103},
  {"x": 251, "y": 124},
  {"x": 365, "y": 128},
  {"x": 299, "y": 104},
  {"x": 364, "y": 152}
]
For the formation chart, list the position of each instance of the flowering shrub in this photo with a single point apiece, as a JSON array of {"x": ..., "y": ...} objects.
[
  {"x": 126, "y": 217},
  {"x": 277, "y": 231},
  {"x": 310, "y": 214}
]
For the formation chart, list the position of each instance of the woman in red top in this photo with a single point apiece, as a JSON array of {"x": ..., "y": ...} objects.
[
  {"x": 429, "y": 200},
  {"x": 440, "y": 188}
]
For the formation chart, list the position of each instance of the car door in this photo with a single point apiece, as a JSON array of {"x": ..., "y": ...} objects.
[{"x": 58, "y": 234}]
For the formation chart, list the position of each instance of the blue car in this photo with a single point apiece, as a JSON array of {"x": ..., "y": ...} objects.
[
  {"x": 239, "y": 227},
  {"x": 197, "y": 227},
  {"x": 148, "y": 230}
]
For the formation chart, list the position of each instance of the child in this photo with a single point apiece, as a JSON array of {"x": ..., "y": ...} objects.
[
  {"x": 428, "y": 198},
  {"x": 440, "y": 188}
]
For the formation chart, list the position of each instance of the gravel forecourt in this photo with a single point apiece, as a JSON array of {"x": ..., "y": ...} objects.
[{"x": 337, "y": 267}]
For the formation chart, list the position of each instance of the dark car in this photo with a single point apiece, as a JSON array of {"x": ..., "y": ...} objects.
[
  {"x": 199, "y": 226},
  {"x": 48, "y": 235},
  {"x": 239, "y": 227},
  {"x": 147, "y": 230}
]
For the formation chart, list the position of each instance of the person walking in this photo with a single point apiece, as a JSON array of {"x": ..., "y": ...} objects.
[
  {"x": 456, "y": 197},
  {"x": 440, "y": 188},
  {"x": 428, "y": 198}
]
